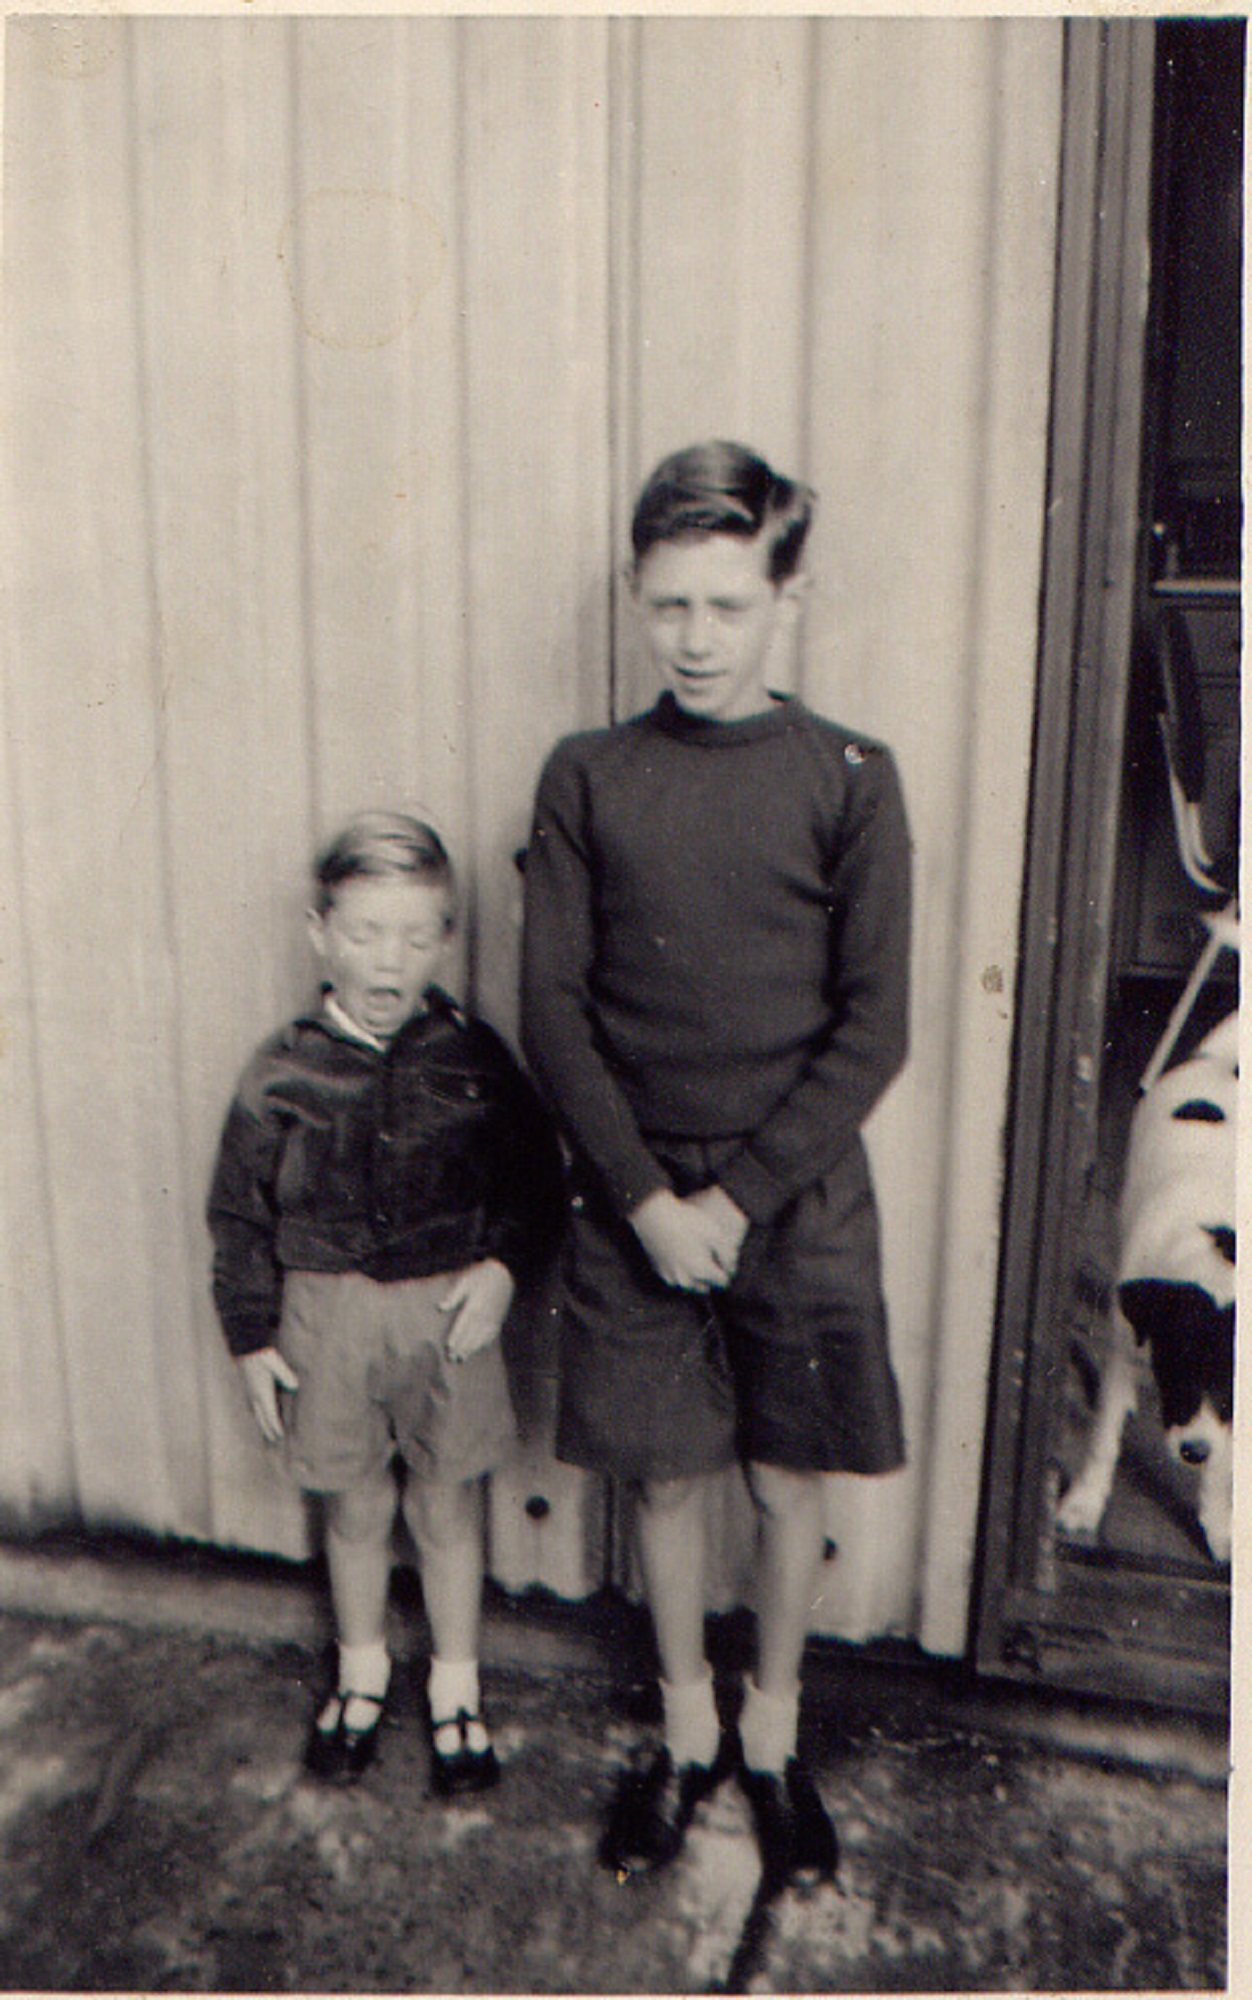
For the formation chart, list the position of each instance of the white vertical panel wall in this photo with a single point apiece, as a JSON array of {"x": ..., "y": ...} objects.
[
  {"x": 334, "y": 350},
  {"x": 930, "y": 377}
]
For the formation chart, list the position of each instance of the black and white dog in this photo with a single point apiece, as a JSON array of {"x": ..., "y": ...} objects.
[{"x": 1175, "y": 1288}]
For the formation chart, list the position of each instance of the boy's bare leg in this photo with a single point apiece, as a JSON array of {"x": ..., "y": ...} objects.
[
  {"x": 671, "y": 1554},
  {"x": 796, "y": 1837},
  {"x": 446, "y": 1522},
  {"x": 789, "y": 1508},
  {"x": 358, "y": 1556},
  {"x": 654, "y": 1806}
]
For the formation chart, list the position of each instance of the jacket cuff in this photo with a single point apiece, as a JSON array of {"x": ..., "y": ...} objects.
[
  {"x": 521, "y": 1257},
  {"x": 249, "y": 1338}
]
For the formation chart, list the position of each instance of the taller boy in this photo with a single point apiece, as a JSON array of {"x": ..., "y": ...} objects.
[{"x": 715, "y": 980}]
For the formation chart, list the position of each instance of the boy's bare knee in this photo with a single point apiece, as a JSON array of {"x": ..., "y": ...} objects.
[
  {"x": 667, "y": 1496},
  {"x": 442, "y": 1514},
  {"x": 362, "y": 1514},
  {"x": 781, "y": 1493}
]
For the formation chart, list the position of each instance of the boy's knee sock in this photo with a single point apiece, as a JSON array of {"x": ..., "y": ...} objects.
[
  {"x": 767, "y": 1727},
  {"x": 452, "y": 1686},
  {"x": 692, "y": 1729}
]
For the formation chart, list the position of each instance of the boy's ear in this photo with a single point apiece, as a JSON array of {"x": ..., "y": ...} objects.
[
  {"x": 316, "y": 923},
  {"x": 793, "y": 594}
]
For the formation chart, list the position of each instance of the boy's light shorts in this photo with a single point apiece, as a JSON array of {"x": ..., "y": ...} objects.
[
  {"x": 374, "y": 1380},
  {"x": 788, "y": 1366}
]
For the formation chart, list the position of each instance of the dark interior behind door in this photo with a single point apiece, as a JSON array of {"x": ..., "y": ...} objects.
[{"x": 1144, "y": 513}]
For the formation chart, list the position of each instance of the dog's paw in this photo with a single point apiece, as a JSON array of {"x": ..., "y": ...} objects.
[
  {"x": 1081, "y": 1508},
  {"x": 1216, "y": 1526}
]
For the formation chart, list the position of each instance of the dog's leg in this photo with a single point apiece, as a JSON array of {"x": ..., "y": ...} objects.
[
  {"x": 1215, "y": 1491},
  {"x": 1207, "y": 1443},
  {"x": 1082, "y": 1507}
]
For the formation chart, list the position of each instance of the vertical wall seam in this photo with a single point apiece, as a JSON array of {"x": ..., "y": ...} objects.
[
  {"x": 39, "y": 1094},
  {"x": 461, "y": 223},
  {"x": 812, "y": 186},
  {"x": 39, "y": 1067},
  {"x": 406, "y": 616},
  {"x": 306, "y": 638},
  {"x": 625, "y": 316},
  {"x": 156, "y": 649},
  {"x": 16, "y": 820},
  {"x": 60, "y": 1261},
  {"x": 808, "y": 314},
  {"x": 749, "y": 164},
  {"x": 959, "y": 988},
  {"x": 249, "y": 609}
]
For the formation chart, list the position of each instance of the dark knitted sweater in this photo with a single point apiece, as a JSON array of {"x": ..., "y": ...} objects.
[{"x": 716, "y": 944}]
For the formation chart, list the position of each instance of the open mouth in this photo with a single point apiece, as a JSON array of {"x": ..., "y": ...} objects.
[{"x": 383, "y": 999}]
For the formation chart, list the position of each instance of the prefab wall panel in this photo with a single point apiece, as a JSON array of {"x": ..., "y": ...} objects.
[{"x": 333, "y": 351}]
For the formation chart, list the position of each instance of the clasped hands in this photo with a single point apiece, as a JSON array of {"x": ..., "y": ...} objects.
[{"x": 693, "y": 1240}]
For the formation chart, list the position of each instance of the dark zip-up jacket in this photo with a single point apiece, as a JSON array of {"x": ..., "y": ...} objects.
[{"x": 399, "y": 1163}]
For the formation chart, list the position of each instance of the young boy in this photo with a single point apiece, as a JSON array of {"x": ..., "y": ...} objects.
[
  {"x": 714, "y": 996},
  {"x": 385, "y": 1176}
]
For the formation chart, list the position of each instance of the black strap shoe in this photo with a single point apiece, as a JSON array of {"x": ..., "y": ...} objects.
[
  {"x": 793, "y": 1828},
  {"x": 461, "y": 1768},
  {"x": 337, "y": 1754},
  {"x": 655, "y": 1805}
]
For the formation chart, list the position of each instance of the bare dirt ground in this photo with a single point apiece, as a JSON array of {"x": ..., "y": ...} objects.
[{"x": 159, "y": 1835}]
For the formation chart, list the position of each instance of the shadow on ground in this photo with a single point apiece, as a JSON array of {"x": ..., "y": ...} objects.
[{"x": 159, "y": 1835}]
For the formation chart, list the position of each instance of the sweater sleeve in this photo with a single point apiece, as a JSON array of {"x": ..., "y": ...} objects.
[
  {"x": 243, "y": 1222},
  {"x": 528, "y": 1175},
  {"x": 558, "y": 951},
  {"x": 870, "y": 902}
]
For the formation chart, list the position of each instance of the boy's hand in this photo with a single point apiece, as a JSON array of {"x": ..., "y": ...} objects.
[
  {"x": 728, "y": 1220},
  {"x": 686, "y": 1239},
  {"x": 478, "y": 1299},
  {"x": 263, "y": 1372}
]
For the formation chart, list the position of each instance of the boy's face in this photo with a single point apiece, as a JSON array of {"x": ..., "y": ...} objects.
[
  {"x": 710, "y": 615},
  {"x": 380, "y": 945}
]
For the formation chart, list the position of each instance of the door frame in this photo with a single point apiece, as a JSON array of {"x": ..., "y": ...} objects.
[{"x": 1041, "y": 1614}]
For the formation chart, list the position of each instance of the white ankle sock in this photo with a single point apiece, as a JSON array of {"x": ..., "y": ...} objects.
[
  {"x": 365, "y": 1669},
  {"x": 452, "y": 1685},
  {"x": 691, "y": 1725},
  {"x": 767, "y": 1727}
]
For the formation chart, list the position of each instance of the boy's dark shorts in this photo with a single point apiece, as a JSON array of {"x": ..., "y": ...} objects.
[{"x": 788, "y": 1366}]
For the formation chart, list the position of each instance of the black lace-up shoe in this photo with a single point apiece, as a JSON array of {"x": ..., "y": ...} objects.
[
  {"x": 654, "y": 1807},
  {"x": 793, "y": 1828}
]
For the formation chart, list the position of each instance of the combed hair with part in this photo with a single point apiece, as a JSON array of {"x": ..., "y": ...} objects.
[{"x": 724, "y": 489}]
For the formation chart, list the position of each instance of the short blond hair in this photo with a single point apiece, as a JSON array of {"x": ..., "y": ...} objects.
[{"x": 383, "y": 843}]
